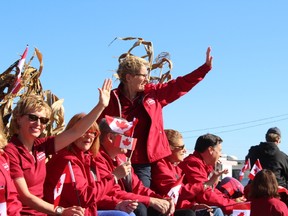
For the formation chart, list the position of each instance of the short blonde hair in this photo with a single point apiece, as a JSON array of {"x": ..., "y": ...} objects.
[
  {"x": 26, "y": 105},
  {"x": 130, "y": 65},
  {"x": 173, "y": 136}
]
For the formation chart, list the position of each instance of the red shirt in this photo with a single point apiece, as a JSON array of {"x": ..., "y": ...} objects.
[
  {"x": 90, "y": 187},
  {"x": 8, "y": 192},
  {"x": 268, "y": 207},
  {"x": 31, "y": 167},
  {"x": 148, "y": 108},
  {"x": 137, "y": 190}
]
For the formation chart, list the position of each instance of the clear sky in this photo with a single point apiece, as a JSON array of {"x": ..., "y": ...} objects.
[{"x": 243, "y": 95}]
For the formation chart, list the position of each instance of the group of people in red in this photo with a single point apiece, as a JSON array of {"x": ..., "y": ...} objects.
[{"x": 110, "y": 180}]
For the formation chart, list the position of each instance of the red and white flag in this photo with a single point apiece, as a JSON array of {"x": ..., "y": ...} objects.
[
  {"x": 17, "y": 83},
  {"x": 282, "y": 190},
  {"x": 255, "y": 169},
  {"x": 121, "y": 126},
  {"x": 174, "y": 191},
  {"x": 247, "y": 166},
  {"x": 66, "y": 177},
  {"x": 125, "y": 142},
  {"x": 241, "y": 209}
]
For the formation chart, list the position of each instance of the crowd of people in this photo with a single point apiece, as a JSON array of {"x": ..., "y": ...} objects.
[{"x": 110, "y": 179}]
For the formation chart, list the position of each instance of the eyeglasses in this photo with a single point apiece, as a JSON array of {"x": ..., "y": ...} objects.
[
  {"x": 34, "y": 118},
  {"x": 178, "y": 147},
  {"x": 143, "y": 75},
  {"x": 92, "y": 134}
]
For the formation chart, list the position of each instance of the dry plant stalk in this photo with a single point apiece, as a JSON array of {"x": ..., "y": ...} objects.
[{"x": 30, "y": 84}]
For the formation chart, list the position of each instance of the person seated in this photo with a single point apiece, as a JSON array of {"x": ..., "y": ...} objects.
[
  {"x": 130, "y": 187},
  {"x": 265, "y": 199},
  {"x": 166, "y": 173},
  {"x": 88, "y": 187},
  {"x": 9, "y": 203},
  {"x": 199, "y": 168}
]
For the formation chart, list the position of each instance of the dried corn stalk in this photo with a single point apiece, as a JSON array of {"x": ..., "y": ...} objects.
[
  {"x": 30, "y": 84},
  {"x": 159, "y": 63}
]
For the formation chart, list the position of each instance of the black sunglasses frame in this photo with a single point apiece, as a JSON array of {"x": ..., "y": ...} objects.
[{"x": 35, "y": 118}]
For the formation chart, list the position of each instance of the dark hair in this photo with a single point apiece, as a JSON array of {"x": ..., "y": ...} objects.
[
  {"x": 205, "y": 141},
  {"x": 264, "y": 184}
]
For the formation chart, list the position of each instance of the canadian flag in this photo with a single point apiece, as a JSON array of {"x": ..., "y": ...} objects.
[
  {"x": 17, "y": 83},
  {"x": 3, "y": 204},
  {"x": 241, "y": 209},
  {"x": 66, "y": 177},
  {"x": 247, "y": 166},
  {"x": 125, "y": 142},
  {"x": 282, "y": 190},
  {"x": 255, "y": 169},
  {"x": 121, "y": 126},
  {"x": 174, "y": 191}
]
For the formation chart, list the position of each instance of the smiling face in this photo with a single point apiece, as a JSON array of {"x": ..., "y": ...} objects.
[
  {"x": 138, "y": 80},
  {"x": 178, "y": 151},
  {"x": 85, "y": 142}
]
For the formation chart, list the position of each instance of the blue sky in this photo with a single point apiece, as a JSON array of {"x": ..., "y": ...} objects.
[{"x": 243, "y": 95}]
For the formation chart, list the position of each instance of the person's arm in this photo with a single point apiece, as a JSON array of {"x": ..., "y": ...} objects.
[
  {"x": 38, "y": 204},
  {"x": 70, "y": 135}
]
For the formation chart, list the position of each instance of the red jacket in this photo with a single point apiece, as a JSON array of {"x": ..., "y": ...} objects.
[
  {"x": 133, "y": 189},
  {"x": 196, "y": 171},
  {"x": 165, "y": 175},
  {"x": 89, "y": 187},
  {"x": 8, "y": 192},
  {"x": 152, "y": 100},
  {"x": 268, "y": 207}
]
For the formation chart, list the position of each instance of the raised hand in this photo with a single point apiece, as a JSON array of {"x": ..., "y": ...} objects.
[
  {"x": 209, "y": 58},
  {"x": 104, "y": 92}
]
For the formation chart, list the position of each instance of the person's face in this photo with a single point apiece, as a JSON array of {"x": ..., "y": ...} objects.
[
  {"x": 139, "y": 80},
  {"x": 178, "y": 151},
  {"x": 215, "y": 152},
  {"x": 85, "y": 142},
  {"x": 33, "y": 123}
]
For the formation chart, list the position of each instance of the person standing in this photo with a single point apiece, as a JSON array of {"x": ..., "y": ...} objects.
[
  {"x": 270, "y": 156},
  {"x": 135, "y": 97}
]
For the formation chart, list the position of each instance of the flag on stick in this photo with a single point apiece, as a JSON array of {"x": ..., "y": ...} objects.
[
  {"x": 17, "y": 83},
  {"x": 174, "y": 191},
  {"x": 121, "y": 126},
  {"x": 125, "y": 142},
  {"x": 247, "y": 166},
  {"x": 255, "y": 169}
]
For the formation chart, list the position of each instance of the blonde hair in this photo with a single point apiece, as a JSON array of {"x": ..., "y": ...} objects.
[
  {"x": 26, "y": 105},
  {"x": 130, "y": 65},
  {"x": 3, "y": 138},
  {"x": 96, "y": 143},
  {"x": 173, "y": 136}
]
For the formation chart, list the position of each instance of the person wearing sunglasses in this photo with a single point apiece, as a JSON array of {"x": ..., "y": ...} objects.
[
  {"x": 89, "y": 187},
  {"x": 27, "y": 150},
  {"x": 166, "y": 173},
  {"x": 137, "y": 97}
]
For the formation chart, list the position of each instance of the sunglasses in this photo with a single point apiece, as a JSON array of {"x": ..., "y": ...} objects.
[
  {"x": 92, "y": 134},
  {"x": 178, "y": 147},
  {"x": 34, "y": 118}
]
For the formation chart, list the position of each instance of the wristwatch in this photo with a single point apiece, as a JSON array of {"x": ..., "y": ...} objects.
[{"x": 59, "y": 210}]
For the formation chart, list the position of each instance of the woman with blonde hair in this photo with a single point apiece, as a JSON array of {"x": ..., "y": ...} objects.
[{"x": 27, "y": 150}]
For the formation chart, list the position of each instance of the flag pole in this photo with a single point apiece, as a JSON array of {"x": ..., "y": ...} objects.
[{"x": 74, "y": 182}]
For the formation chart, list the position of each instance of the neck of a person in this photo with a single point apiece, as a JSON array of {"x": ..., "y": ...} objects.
[
  {"x": 129, "y": 92},
  {"x": 28, "y": 142}
]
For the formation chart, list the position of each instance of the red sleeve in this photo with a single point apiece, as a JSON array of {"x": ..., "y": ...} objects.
[
  {"x": 172, "y": 90},
  {"x": 15, "y": 168}
]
